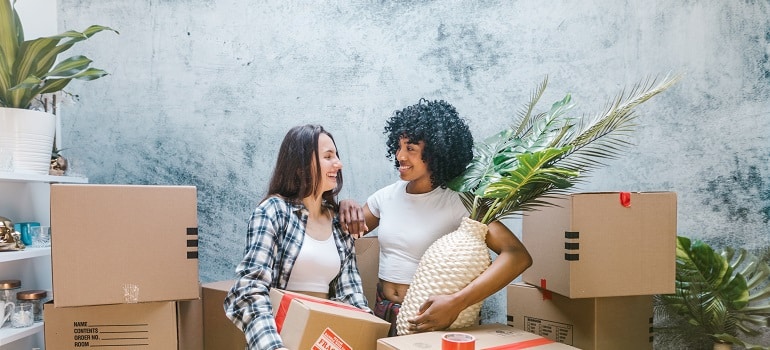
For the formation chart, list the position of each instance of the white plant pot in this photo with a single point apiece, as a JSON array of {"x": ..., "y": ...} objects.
[
  {"x": 26, "y": 140},
  {"x": 450, "y": 263}
]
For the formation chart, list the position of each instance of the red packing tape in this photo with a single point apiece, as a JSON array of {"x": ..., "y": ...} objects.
[
  {"x": 545, "y": 292},
  {"x": 283, "y": 307},
  {"x": 625, "y": 199},
  {"x": 522, "y": 344},
  {"x": 458, "y": 341}
]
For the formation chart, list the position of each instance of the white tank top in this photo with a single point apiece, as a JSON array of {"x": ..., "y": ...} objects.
[{"x": 317, "y": 264}]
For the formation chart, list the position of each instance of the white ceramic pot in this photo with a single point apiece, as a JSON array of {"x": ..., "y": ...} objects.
[{"x": 26, "y": 140}]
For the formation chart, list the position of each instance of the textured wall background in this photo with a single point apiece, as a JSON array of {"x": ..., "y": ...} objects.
[{"x": 201, "y": 93}]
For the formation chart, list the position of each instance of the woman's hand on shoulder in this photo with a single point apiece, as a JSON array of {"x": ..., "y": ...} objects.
[{"x": 352, "y": 218}]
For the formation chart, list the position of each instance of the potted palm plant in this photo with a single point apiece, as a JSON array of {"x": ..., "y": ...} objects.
[
  {"x": 720, "y": 297},
  {"x": 540, "y": 154},
  {"x": 29, "y": 69}
]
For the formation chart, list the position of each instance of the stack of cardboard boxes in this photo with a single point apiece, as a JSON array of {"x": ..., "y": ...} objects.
[
  {"x": 598, "y": 260},
  {"x": 125, "y": 268}
]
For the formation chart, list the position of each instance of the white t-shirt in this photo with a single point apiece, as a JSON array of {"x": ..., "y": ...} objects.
[{"x": 409, "y": 224}]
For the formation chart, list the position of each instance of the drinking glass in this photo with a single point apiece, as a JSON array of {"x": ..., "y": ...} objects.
[{"x": 41, "y": 236}]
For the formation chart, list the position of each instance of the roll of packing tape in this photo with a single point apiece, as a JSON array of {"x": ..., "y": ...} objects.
[{"x": 458, "y": 341}]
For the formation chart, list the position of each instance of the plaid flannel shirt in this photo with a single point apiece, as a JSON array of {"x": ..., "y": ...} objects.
[{"x": 274, "y": 238}]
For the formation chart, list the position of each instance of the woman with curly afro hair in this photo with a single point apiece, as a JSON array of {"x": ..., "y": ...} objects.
[
  {"x": 447, "y": 140},
  {"x": 430, "y": 145}
]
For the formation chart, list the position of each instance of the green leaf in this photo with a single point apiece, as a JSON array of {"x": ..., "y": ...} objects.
[
  {"x": 29, "y": 83},
  {"x": 32, "y": 60},
  {"x": 9, "y": 32},
  {"x": 90, "y": 74},
  {"x": 482, "y": 167},
  {"x": 53, "y": 85},
  {"x": 69, "y": 67},
  {"x": 5, "y": 77}
]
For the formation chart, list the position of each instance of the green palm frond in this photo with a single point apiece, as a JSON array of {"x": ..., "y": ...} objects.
[
  {"x": 524, "y": 118},
  {"x": 545, "y": 153},
  {"x": 604, "y": 136},
  {"x": 533, "y": 173}
]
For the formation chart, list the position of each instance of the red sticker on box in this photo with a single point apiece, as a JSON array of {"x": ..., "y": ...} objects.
[
  {"x": 625, "y": 199},
  {"x": 330, "y": 341}
]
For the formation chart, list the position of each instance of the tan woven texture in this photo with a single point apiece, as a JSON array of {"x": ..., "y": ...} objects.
[{"x": 449, "y": 264}]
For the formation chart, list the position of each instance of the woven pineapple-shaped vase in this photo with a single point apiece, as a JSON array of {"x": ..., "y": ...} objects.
[{"x": 449, "y": 264}]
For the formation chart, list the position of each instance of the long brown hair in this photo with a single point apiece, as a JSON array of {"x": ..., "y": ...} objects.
[{"x": 294, "y": 177}]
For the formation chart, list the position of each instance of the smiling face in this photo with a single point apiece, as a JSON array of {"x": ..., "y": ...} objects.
[
  {"x": 329, "y": 162},
  {"x": 411, "y": 166}
]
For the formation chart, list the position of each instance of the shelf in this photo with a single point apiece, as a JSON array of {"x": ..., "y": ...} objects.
[
  {"x": 9, "y": 334},
  {"x": 21, "y": 177},
  {"x": 26, "y": 197},
  {"x": 27, "y": 253}
]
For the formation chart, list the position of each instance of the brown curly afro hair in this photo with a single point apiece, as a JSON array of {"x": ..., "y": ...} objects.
[{"x": 448, "y": 140}]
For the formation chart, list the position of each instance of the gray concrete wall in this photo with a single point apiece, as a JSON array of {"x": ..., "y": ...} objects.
[{"x": 201, "y": 93}]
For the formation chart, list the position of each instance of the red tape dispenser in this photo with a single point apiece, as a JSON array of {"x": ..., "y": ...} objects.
[{"x": 458, "y": 341}]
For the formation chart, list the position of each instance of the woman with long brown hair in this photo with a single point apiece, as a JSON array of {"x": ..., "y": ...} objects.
[{"x": 294, "y": 239}]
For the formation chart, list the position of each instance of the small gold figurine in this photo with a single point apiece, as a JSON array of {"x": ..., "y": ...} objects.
[
  {"x": 58, "y": 163},
  {"x": 9, "y": 238}
]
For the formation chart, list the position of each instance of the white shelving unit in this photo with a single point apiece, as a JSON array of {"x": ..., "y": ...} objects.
[
  {"x": 23, "y": 198},
  {"x": 26, "y": 197}
]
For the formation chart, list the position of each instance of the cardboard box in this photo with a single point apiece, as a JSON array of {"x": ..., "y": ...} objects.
[
  {"x": 190, "y": 324},
  {"x": 368, "y": 261},
  {"x": 593, "y": 246},
  {"x": 306, "y": 322},
  {"x": 587, "y": 323},
  {"x": 149, "y": 326},
  {"x": 303, "y": 320},
  {"x": 489, "y": 336},
  {"x": 115, "y": 244},
  {"x": 219, "y": 333}
]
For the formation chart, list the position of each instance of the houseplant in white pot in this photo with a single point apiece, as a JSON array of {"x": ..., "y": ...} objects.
[
  {"x": 29, "y": 69},
  {"x": 722, "y": 297}
]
